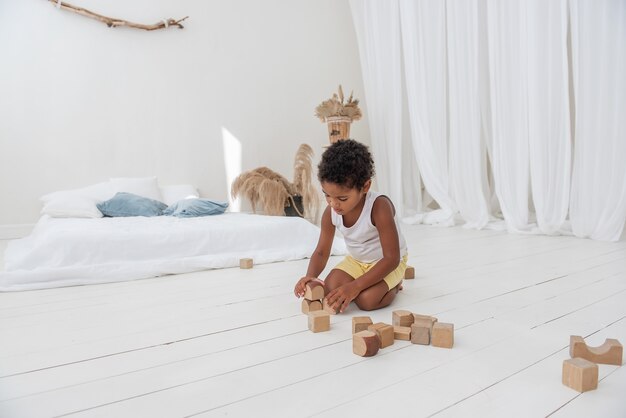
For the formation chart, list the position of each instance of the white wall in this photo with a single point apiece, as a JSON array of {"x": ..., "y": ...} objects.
[{"x": 81, "y": 102}]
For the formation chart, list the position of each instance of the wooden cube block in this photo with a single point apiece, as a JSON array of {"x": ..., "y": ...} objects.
[
  {"x": 384, "y": 332},
  {"x": 409, "y": 273},
  {"x": 418, "y": 317},
  {"x": 314, "y": 290},
  {"x": 442, "y": 335},
  {"x": 360, "y": 323},
  {"x": 401, "y": 318},
  {"x": 365, "y": 343},
  {"x": 402, "y": 333},
  {"x": 311, "y": 305},
  {"x": 422, "y": 329},
  {"x": 580, "y": 374},
  {"x": 420, "y": 333},
  {"x": 245, "y": 263},
  {"x": 319, "y": 321}
]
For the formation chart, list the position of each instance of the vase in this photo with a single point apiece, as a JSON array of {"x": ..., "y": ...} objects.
[{"x": 338, "y": 128}]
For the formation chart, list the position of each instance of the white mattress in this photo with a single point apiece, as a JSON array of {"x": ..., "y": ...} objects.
[{"x": 67, "y": 252}]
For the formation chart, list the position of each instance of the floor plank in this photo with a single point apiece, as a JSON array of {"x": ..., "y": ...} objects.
[{"x": 233, "y": 342}]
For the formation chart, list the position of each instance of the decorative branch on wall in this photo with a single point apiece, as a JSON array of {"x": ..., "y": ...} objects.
[{"x": 113, "y": 22}]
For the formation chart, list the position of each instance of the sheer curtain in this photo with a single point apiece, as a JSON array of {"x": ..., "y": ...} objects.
[
  {"x": 549, "y": 131},
  {"x": 468, "y": 154},
  {"x": 424, "y": 41},
  {"x": 598, "y": 200},
  {"x": 378, "y": 33},
  {"x": 488, "y": 85}
]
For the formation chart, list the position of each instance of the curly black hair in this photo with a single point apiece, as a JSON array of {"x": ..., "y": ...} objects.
[{"x": 347, "y": 163}]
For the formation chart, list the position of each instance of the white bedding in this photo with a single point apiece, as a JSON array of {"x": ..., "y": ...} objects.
[{"x": 67, "y": 252}]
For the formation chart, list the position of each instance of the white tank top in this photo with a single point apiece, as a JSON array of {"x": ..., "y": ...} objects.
[{"x": 362, "y": 238}]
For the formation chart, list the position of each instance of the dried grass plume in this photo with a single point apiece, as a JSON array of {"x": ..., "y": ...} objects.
[
  {"x": 271, "y": 192},
  {"x": 336, "y": 106}
]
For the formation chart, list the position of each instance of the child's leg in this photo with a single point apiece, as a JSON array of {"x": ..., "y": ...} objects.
[
  {"x": 383, "y": 292},
  {"x": 335, "y": 279},
  {"x": 376, "y": 297}
]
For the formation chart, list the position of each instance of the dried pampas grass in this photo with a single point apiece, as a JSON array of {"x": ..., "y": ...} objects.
[
  {"x": 335, "y": 106},
  {"x": 270, "y": 190}
]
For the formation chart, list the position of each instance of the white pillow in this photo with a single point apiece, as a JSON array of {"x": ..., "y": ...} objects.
[
  {"x": 70, "y": 205},
  {"x": 98, "y": 192},
  {"x": 172, "y": 194},
  {"x": 141, "y": 186}
]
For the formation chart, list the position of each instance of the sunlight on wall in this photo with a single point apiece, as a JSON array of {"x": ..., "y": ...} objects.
[{"x": 232, "y": 162}]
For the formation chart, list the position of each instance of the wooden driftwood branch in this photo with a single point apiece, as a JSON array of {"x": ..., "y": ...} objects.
[{"x": 113, "y": 22}]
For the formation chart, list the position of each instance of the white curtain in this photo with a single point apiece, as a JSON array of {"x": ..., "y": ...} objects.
[
  {"x": 377, "y": 26},
  {"x": 506, "y": 25},
  {"x": 424, "y": 41},
  {"x": 549, "y": 112},
  {"x": 489, "y": 87},
  {"x": 598, "y": 200},
  {"x": 468, "y": 155}
]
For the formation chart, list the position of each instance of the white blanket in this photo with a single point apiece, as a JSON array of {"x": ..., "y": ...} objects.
[{"x": 67, "y": 252}]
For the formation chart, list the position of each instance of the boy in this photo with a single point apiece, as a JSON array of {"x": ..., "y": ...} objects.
[{"x": 372, "y": 273}]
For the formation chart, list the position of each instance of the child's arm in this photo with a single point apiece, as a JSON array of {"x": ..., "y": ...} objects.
[
  {"x": 319, "y": 258},
  {"x": 383, "y": 220}
]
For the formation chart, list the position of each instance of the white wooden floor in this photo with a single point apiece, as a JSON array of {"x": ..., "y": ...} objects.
[{"x": 233, "y": 342}]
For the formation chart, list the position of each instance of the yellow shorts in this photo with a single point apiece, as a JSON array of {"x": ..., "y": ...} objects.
[{"x": 356, "y": 269}]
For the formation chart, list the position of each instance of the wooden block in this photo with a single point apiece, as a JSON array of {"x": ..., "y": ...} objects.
[
  {"x": 442, "y": 335},
  {"x": 420, "y": 334},
  {"x": 365, "y": 343},
  {"x": 580, "y": 374},
  {"x": 418, "y": 317},
  {"x": 245, "y": 263},
  {"x": 401, "y": 318},
  {"x": 314, "y": 290},
  {"x": 409, "y": 273},
  {"x": 311, "y": 305},
  {"x": 402, "y": 333},
  {"x": 360, "y": 323},
  {"x": 608, "y": 353},
  {"x": 319, "y": 321},
  {"x": 384, "y": 332},
  {"x": 327, "y": 308}
]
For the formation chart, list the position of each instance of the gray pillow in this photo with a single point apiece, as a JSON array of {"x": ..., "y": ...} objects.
[
  {"x": 191, "y": 208},
  {"x": 128, "y": 204}
]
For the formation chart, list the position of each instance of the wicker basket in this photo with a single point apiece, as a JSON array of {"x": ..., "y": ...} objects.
[{"x": 338, "y": 128}]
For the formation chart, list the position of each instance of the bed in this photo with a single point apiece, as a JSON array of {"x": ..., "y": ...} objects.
[{"x": 78, "y": 251}]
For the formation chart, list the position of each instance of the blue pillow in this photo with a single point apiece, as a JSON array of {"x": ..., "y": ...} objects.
[
  {"x": 128, "y": 204},
  {"x": 191, "y": 208}
]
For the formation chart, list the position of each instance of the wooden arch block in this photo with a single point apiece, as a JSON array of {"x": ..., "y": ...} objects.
[
  {"x": 311, "y": 306},
  {"x": 580, "y": 374},
  {"x": 608, "y": 353},
  {"x": 314, "y": 290},
  {"x": 365, "y": 343}
]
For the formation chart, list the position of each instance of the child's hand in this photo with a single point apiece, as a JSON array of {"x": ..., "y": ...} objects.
[
  {"x": 340, "y": 298},
  {"x": 300, "y": 288}
]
